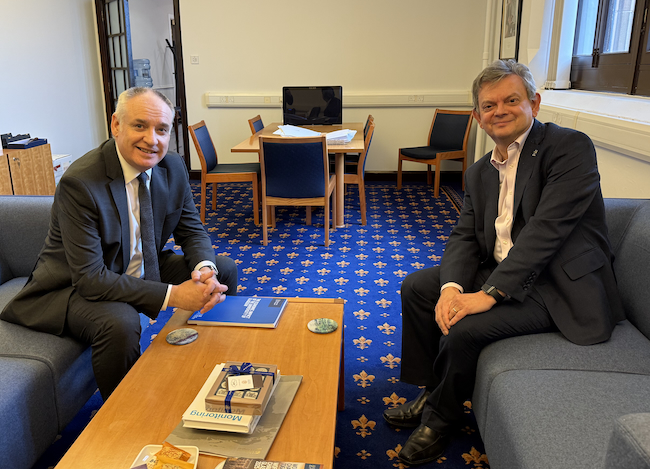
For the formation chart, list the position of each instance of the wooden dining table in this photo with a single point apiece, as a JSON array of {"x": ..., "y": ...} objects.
[{"x": 252, "y": 145}]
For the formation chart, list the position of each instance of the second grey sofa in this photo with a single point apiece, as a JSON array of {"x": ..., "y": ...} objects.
[{"x": 544, "y": 402}]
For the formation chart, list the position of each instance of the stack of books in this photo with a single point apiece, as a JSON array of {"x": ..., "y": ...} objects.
[{"x": 209, "y": 411}]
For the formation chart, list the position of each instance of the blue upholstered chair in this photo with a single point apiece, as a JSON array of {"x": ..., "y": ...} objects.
[
  {"x": 447, "y": 141},
  {"x": 295, "y": 171},
  {"x": 213, "y": 172},
  {"x": 355, "y": 168},
  {"x": 256, "y": 124}
]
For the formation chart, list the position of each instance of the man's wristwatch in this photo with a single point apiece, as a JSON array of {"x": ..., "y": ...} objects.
[{"x": 493, "y": 292}]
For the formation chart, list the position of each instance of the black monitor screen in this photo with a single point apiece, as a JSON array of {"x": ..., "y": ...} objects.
[{"x": 312, "y": 105}]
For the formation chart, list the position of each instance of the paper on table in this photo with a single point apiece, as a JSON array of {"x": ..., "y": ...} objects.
[
  {"x": 293, "y": 131},
  {"x": 341, "y": 137}
]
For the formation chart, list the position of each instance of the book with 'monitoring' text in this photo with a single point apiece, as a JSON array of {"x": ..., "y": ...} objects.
[{"x": 197, "y": 416}]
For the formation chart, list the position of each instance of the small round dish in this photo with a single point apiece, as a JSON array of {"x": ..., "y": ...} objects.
[
  {"x": 322, "y": 325},
  {"x": 182, "y": 336}
]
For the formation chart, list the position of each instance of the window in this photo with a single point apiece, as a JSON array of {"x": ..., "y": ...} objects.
[{"x": 611, "y": 49}]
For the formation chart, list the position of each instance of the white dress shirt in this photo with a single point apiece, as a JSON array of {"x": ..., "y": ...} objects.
[
  {"x": 136, "y": 261},
  {"x": 507, "y": 169}
]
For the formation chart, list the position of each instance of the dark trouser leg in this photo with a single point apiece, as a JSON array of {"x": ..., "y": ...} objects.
[
  {"x": 420, "y": 333},
  {"x": 447, "y": 364},
  {"x": 228, "y": 274},
  {"x": 113, "y": 330},
  {"x": 455, "y": 367},
  {"x": 174, "y": 270}
]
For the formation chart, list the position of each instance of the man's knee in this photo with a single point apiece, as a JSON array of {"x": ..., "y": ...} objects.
[
  {"x": 425, "y": 282},
  {"x": 463, "y": 337},
  {"x": 228, "y": 273},
  {"x": 122, "y": 326}
]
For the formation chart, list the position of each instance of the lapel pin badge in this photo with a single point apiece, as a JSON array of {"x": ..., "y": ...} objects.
[{"x": 535, "y": 153}]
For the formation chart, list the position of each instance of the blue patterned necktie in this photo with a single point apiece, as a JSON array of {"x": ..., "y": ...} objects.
[{"x": 149, "y": 254}]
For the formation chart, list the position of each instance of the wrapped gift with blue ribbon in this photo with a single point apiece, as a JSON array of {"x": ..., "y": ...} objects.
[{"x": 248, "y": 402}]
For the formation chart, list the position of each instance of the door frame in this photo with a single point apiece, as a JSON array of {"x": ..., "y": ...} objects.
[
  {"x": 109, "y": 99},
  {"x": 180, "y": 91}
]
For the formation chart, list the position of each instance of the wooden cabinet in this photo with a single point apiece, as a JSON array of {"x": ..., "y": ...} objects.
[{"x": 27, "y": 172}]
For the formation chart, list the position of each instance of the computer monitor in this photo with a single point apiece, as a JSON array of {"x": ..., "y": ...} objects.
[{"x": 312, "y": 105}]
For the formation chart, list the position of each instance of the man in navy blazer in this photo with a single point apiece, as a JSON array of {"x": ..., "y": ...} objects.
[
  {"x": 89, "y": 279},
  {"x": 529, "y": 254}
]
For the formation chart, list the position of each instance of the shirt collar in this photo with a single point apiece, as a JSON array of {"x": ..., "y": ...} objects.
[
  {"x": 130, "y": 173},
  {"x": 518, "y": 143}
]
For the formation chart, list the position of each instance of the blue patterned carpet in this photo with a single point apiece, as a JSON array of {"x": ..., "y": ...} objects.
[{"x": 364, "y": 265}]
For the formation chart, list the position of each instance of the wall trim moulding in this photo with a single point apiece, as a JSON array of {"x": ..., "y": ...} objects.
[
  {"x": 421, "y": 99},
  {"x": 619, "y": 135}
]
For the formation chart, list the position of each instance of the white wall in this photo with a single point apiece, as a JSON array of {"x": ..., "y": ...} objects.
[
  {"x": 149, "y": 29},
  {"x": 368, "y": 47},
  {"x": 50, "y": 85}
]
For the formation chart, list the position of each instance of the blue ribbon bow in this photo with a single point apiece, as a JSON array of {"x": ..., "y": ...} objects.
[{"x": 244, "y": 369}]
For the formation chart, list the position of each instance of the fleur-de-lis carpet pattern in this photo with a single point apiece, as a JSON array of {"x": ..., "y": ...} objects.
[{"x": 365, "y": 266}]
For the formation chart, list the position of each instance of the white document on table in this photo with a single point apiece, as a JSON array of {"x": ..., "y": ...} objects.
[
  {"x": 294, "y": 131},
  {"x": 340, "y": 137}
]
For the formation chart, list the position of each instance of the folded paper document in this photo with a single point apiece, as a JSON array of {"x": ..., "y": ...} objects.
[
  {"x": 337, "y": 137},
  {"x": 340, "y": 137},
  {"x": 294, "y": 131}
]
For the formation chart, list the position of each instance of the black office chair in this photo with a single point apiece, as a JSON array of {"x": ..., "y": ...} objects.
[
  {"x": 295, "y": 171},
  {"x": 447, "y": 141},
  {"x": 213, "y": 172}
]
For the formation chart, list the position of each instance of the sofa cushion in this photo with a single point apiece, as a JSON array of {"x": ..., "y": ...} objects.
[
  {"x": 10, "y": 289},
  {"x": 27, "y": 411},
  {"x": 629, "y": 445},
  {"x": 67, "y": 360},
  {"x": 558, "y": 419},
  {"x": 627, "y": 351}
]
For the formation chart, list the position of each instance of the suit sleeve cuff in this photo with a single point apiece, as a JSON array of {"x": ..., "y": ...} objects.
[
  {"x": 210, "y": 264},
  {"x": 452, "y": 284},
  {"x": 167, "y": 295}
]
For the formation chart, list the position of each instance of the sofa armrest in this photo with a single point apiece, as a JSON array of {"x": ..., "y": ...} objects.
[
  {"x": 23, "y": 228},
  {"x": 629, "y": 445}
]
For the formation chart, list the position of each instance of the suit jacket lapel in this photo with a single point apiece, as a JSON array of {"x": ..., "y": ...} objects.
[
  {"x": 526, "y": 161},
  {"x": 490, "y": 180},
  {"x": 116, "y": 185},
  {"x": 159, "y": 192}
]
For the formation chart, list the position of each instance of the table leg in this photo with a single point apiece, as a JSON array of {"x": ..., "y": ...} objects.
[{"x": 340, "y": 189}]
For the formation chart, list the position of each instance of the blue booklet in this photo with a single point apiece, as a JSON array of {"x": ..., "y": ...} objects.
[{"x": 247, "y": 311}]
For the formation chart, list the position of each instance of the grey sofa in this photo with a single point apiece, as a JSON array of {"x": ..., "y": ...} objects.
[
  {"x": 542, "y": 402},
  {"x": 44, "y": 379}
]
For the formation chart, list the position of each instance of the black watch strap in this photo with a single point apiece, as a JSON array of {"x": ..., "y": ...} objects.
[{"x": 493, "y": 292}]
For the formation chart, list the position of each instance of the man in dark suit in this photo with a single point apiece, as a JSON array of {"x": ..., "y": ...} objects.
[
  {"x": 95, "y": 272},
  {"x": 529, "y": 254}
]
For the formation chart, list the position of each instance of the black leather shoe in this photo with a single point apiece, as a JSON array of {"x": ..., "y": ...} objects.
[
  {"x": 408, "y": 415},
  {"x": 424, "y": 445}
]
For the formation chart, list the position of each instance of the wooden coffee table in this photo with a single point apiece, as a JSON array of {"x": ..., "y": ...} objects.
[{"x": 149, "y": 402}]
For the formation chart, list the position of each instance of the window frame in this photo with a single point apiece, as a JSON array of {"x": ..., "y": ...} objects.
[{"x": 615, "y": 72}]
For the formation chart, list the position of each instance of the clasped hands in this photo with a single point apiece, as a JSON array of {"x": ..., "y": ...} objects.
[
  {"x": 453, "y": 306},
  {"x": 200, "y": 293}
]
